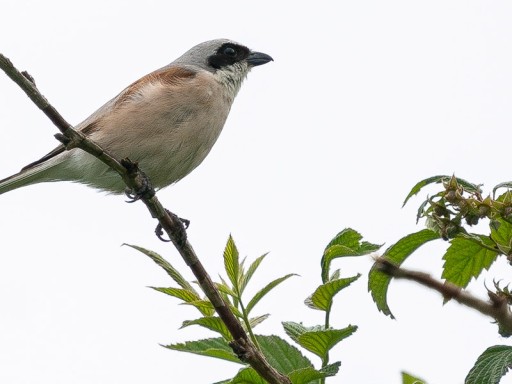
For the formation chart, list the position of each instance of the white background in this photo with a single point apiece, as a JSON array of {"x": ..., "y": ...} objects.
[{"x": 364, "y": 99}]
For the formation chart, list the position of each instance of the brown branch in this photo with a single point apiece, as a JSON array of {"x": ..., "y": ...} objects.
[
  {"x": 170, "y": 223},
  {"x": 496, "y": 307}
]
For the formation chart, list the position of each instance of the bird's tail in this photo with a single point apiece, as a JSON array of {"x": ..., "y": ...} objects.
[{"x": 36, "y": 174}]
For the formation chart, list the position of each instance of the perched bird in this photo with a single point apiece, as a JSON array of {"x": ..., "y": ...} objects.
[{"x": 167, "y": 121}]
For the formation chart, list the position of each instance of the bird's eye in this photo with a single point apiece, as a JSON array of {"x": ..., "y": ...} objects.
[{"x": 229, "y": 51}]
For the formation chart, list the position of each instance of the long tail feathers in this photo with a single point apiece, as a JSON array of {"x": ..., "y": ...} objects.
[{"x": 36, "y": 174}]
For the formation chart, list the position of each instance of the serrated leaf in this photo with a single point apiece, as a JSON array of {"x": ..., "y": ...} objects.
[
  {"x": 231, "y": 263},
  {"x": 300, "y": 376},
  {"x": 502, "y": 235},
  {"x": 223, "y": 287},
  {"x": 212, "y": 323},
  {"x": 262, "y": 292},
  {"x": 317, "y": 340},
  {"x": 347, "y": 237},
  {"x": 309, "y": 375},
  {"x": 322, "y": 297},
  {"x": 246, "y": 277},
  {"x": 247, "y": 376},
  {"x": 306, "y": 375},
  {"x": 465, "y": 259},
  {"x": 470, "y": 187},
  {"x": 227, "y": 293},
  {"x": 188, "y": 297},
  {"x": 409, "y": 379},
  {"x": 378, "y": 282},
  {"x": 345, "y": 243},
  {"x": 331, "y": 369},
  {"x": 204, "y": 306},
  {"x": 491, "y": 365},
  {"x": 179, "y": 293},
  {"x": 254, "y": 321},
  {"x": 166, "y": 266},
  {"x": 294, "y": 330},
  {"x": 282, "y": 355},
  {"x": 423, "y": 183},
  {"x": 215, "y": 347}
]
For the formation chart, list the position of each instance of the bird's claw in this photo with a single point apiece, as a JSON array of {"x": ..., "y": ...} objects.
[
  {"x": 145, "y": 190},
  {"x": 182, "y": 233}
]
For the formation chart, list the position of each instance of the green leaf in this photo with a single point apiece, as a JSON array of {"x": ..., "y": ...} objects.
[
  {"x": 317, "y": 340},
  {"x": 282, "y": 355},
  {"x": 223, "y": 287},
  {"x": 254, "y": 321},
  {"x": 216, "y": 347},
  {"x": 331, "y": 369},
  {"x": 187, "y": 296},
  {"x": 231, "y": 263},
  {"x": 262, "y": 292},
  {"x": 212, "y": 323},
  {"x": 308, "y": 375},
  {"x": 179, "y": 293},
  {"x": 502, "y": 235},
  {"x": 423, "y": 183},
  {"x": 286, "y": 359},
  {"x": 247, "y": 376},
  {"x": 227, "y": 293},
  {"x": 322, "y": 297},
  {"x": 204, "y": 306},
  {"x": 346, "y": 243},
  {"x": 299, "y": 376},
  {"x": 491, "y": 365},
  {"x": 166, "y": 266},
  {"x": 409, "y": 379},
  {"x": 246, "y": 277},
  {"x": 378, "y": 282},
  {"x": 470, "y": 187},
  {"x": 466, "y": 259}
]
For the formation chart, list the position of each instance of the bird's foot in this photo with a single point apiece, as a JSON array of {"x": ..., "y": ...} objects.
[
  {"x": 145, "y": 190},
  {"x": 181, "y": 234}
]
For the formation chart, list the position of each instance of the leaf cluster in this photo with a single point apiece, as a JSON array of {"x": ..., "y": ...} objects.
[
  {"x": 283, "y": 356},
  {"x": 451, "y": 214}
]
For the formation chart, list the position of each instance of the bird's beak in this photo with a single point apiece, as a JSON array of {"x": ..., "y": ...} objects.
[{"x": 258, "y": 58}]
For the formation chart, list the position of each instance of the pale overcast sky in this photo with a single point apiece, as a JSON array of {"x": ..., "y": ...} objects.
[{"x": 364, "y": 99}]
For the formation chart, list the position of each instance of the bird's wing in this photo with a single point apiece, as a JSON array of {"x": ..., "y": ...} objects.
[
  {"x": 167, "y": 75},
  {"x": 48, "y": 156}
]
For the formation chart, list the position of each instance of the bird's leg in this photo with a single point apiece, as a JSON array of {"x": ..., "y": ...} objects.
[
  {"x": 145, "y": 190},
  {"x": 182, "y": 235}
]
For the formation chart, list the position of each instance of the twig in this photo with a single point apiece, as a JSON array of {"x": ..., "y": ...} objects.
[
  {"x": 497, "y": 307},
  {"x": 170, "y": 223}
]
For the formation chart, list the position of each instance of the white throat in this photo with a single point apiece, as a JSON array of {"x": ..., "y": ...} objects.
[{"x": 232, "y": 77}]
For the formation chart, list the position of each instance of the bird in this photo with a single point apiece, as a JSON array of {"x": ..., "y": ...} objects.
[{"x": 167, "y": 121}]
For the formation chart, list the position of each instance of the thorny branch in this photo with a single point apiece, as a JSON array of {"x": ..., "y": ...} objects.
[
  {"x": 170, "y": 223},
  {"x": 496, "y": 307}
]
